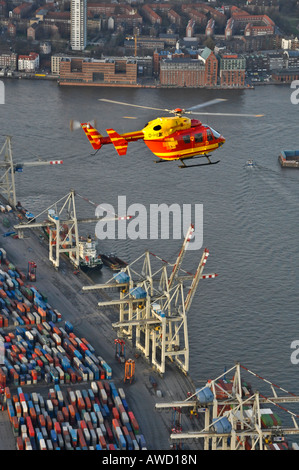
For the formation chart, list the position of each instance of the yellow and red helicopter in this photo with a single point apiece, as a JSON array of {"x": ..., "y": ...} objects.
[{"x": 170, "y": 138}]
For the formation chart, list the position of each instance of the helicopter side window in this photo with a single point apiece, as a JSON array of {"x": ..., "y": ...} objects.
[
  {"x": 198, "y": 137},
  {"x": 157, "y": 128},
  {"x": 186, "y": 139},
  {"x": 209, "y": 135}
]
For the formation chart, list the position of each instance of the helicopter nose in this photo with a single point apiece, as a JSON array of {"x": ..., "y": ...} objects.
[{"x": 221, "y": 140}]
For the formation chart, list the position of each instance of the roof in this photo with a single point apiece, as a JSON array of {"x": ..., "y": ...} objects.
[{"x": 206, "y": 53}]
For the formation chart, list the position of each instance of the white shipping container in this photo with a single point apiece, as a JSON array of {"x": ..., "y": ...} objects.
[
  {"x": 34, "y": 397},
  {"x": 42, "y": 444},
  {"x": 124, "y": 417},
  {"x": 57, "y": 339},
  {"x": 100, "y": 417},
  {"x": 25, "y": 408},
  {"x": 49, "y": 406},
  {"x": 117, "y": 401},
  {"x": 94, "y": 387},
  {"x": 61, "y": 350},
  {"x": 103, "y": 396},
  {"x": 72, "y": 396}
]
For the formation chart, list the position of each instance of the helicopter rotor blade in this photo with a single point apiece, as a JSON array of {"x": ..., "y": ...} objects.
[
  {"x": 203, "y": 105},
  {"x": 133, "y": 105},
  {"x": 230, "y": 114},
  {"x": 186, "y": 111}
]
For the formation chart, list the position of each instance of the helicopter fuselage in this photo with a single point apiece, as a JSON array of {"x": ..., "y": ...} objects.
[{"x": 176, "y": 138}]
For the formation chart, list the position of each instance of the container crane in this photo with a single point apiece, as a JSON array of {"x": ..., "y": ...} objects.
[
  {"x": 235, "y": 417},
  {"x": 153, "y": 307},
  {"x": 62, "y": 228},
  {"x": 8, "y": 169}
]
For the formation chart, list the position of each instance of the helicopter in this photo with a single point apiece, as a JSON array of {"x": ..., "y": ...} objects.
[{"x": 173, "y": 138}]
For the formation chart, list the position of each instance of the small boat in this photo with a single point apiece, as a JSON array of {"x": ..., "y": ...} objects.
[{"x": 249, "y": 163}]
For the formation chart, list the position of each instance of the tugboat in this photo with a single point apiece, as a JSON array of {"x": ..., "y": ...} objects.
[{"x": 89, "y": 259}]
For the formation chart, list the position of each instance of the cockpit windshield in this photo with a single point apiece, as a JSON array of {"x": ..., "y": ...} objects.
[{"x": 215, "y": 133}]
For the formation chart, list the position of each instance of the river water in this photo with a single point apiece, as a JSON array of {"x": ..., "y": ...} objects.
[{"x": 249, "y": 313}]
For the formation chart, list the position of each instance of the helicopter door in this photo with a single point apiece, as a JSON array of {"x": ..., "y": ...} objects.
[
  {"x": 209, "y": 138},
  {"x": 199, "y": 139}
]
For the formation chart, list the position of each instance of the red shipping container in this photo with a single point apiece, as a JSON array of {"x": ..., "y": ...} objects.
[
  {"x": 32, "y": 414},
  {"x": 83, "y": 424},
  {"x": 88, "y": 403},
  {"x": 81, "y": 404},
  {"x": 20, "y": 445},
  {"x": 102, "y": 442},
  {"x": 65, "y": 413},
  {"x": 60, "y": 417},
  {"x": 42, "y": 421},
  {"x": 20, "y": 307},
  {"x": 3, "y": 294},
  {"x": 57, "y": 427},
  {"x": 109, "y": 431},
  {"x": 49, "y": 424},
  {"x": 30, "y": 426},
  {"x": 19, "y": 280},
  {"x": 133, "y": 421},
  {"x": 49, "y": 358},
  {"x": 115, "y": 412},
  {"x": 82, "y": 441}
]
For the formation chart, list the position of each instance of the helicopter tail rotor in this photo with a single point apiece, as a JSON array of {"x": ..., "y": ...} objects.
[{"x": 75, "y": 125}]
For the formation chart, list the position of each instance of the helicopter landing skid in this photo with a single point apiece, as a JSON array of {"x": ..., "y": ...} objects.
[{"x": 199, "y": 164}]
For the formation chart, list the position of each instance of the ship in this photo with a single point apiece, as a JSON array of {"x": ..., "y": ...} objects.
[{"x": 89, "y": 258}]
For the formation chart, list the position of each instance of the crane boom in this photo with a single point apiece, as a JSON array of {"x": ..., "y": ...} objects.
[
  {"x": 180, "y": 257},
  {"x": 196, "y": 278}
]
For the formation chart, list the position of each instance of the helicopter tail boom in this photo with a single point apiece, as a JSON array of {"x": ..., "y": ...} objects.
[{"x": 118, "y": 141}]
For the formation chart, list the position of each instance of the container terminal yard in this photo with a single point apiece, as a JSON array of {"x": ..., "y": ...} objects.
[
  {"x": 91, "y": 323},
  {"x": 87, "y": 366}
]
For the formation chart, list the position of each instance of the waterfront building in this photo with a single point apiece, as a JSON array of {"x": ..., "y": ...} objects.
[
  {"x": 28, "y": 63},
  {"x": 83, "y": 71},
  {"x": 232, "y": 70},
  {"x": 78, "y": 25}
]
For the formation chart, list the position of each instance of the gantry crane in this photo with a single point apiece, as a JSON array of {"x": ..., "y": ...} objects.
[
  {"x": 8, "y": 169},
  {"x": 62, "y": 228},
  {"x": 235, "y": 417},
  {"x": 153, "y": 308}
]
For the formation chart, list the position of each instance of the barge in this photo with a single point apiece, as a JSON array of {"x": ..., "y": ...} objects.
[
  {"x": 113, "y": 262},
  {"x": 289, "y": 158}
]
